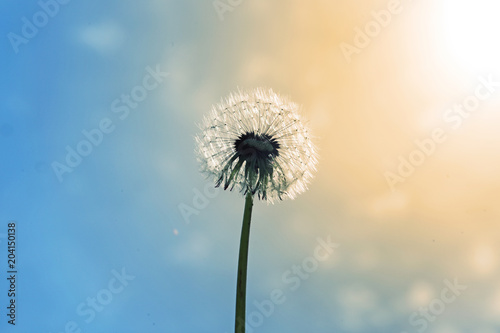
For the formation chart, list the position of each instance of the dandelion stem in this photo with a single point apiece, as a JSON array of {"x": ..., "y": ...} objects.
[{"x": 241, "y": 287}]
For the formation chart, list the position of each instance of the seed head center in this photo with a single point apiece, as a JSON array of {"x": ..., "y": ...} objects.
[
  {"x": 256, "y": 146},
  {"x": 263, "y": 146}
]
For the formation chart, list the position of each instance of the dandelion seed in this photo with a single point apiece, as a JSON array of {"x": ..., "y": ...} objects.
[{"x": 256, "y": 142}]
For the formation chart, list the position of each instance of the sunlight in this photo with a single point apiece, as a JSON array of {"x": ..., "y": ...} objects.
[{"x": 471, "y": 33}]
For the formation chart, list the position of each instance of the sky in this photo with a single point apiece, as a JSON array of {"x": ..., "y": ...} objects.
[{"x": 116, "y": 230}]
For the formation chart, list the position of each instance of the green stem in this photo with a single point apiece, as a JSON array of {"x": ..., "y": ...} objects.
[{"x": 241, "y": 287}]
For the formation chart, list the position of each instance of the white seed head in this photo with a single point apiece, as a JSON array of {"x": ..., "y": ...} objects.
[{"x": 256, "y": 142}]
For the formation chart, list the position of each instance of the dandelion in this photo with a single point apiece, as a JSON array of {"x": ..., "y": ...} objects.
[{"x": 257, "y": 143}]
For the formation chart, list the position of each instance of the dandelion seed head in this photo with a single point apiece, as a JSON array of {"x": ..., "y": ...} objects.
[{"x": 256, "y": 142}]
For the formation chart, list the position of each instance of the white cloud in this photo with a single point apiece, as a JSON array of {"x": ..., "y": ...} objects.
[{"x": 103, "y": 37}]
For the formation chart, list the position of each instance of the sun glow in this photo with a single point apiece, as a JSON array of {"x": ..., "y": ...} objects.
[{"x": 471, "y": 32}]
